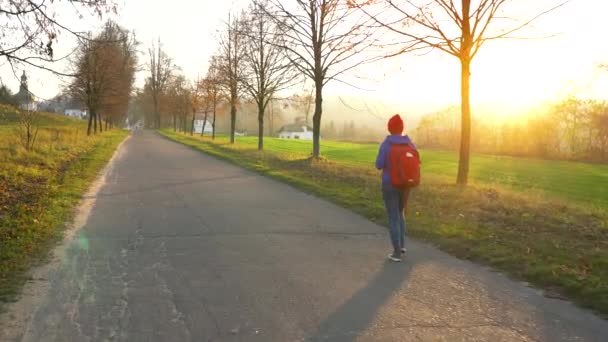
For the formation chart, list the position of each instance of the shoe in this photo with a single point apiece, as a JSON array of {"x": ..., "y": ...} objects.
[
  {"x": 403, "y": 250},
  {"x": 393, "y": 257}
]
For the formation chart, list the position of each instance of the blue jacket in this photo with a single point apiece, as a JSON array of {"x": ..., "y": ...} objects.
[{"x": 382, "y": 162}]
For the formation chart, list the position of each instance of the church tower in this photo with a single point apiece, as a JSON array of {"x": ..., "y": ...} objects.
[
  {"x": 23, "y": 96},
  {"x": 24, "y": 80}
]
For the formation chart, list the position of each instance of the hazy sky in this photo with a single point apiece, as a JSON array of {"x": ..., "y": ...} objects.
[{"x": 507, "y": 74}]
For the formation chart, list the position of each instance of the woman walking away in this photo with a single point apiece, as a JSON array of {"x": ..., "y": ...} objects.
[{"x": 400, "y": 164}]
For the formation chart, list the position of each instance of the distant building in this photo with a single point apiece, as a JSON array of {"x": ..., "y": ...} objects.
[
  {"x": 24, "y": 97},
  {"x": 297, "y": 130},
  {"x": 198, "y": 126},
  {"x": 75, "y": 113},
  {"x": 199, "y": 121},
  {"x": 133, "y": 126},
  {"x": 59, "y": 104}
]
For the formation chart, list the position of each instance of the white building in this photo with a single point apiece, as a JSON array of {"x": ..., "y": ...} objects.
[
  {"x": 198, "y": 126},
  {"x": 24, "y": 96},
  {"x": 134, "y": 126},
  {"x": 75, "y": 113},
  {"x": 31, "y": 106},
  {"x": 298, "y": 130}
]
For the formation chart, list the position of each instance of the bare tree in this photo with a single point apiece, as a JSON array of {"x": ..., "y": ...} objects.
[
  {"x": 90, "y": 81},
  {"x": 197, "y": 100},
  {"x": 231, "y": 66},
  {"x": 212, "y": 90},
  {"x": 303, "y": 102},
  {"x": 185, "y": 105},
  {"x": 30, "y": 28},
  {"x": 115, "y": 104},
  {"x": 28, "y": 128},
  {"x": 104, "y": 70},
  {"x": 323, "y": 39},
  {"x": 161, "y": 68},
  {"x": 144, "y": 104},
  {"x": 459, "y": 29},
  {"x": 178, "y": 101},
  {"x": 267, "y": 70}
]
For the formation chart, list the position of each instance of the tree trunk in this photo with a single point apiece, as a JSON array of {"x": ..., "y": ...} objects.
[
  {"x": 90, "y": 122},
  {"x": 465, "y": 133},
  {"x": 193, "y": 117},
  {"x": 316, "y": 120},
  {"x": 95, "y": 123},
  {"x": 213, "y": 124},
  {"x": 271, "y": 128},
  {"x": 174, "y": 123},
  {"x": 204, "y": 123},
  {"x": 260, "y": 126},
  {"x": 156, "y": 110},
  {"x": 232, "y": 121}
]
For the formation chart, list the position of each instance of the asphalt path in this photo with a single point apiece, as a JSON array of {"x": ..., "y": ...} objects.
[{"x": 179, "y": 246}]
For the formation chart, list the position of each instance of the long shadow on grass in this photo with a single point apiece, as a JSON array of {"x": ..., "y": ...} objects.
[{"x": 354, "y": 317}]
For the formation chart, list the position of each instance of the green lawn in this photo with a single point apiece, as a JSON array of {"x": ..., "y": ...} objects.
[
  {"x": 40, "y": 188},
  {"x": 569, "y": 181},
  {"x": 556, "y": 240}
]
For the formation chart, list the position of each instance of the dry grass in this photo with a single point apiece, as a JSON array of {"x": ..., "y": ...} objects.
[{"x": 40, "y": 187}]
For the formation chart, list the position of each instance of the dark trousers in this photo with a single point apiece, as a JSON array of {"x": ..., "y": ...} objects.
[{"x": 395, "y": 200}]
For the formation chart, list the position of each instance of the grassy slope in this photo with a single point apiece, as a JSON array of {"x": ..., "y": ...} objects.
[
  {"x": 561, "y": 247},
  {"x": 40, "y": 188}
]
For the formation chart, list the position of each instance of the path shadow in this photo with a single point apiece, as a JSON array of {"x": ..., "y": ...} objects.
[{"x": 353, "y": 318}]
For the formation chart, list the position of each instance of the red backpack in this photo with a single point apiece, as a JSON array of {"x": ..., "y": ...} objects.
[{"x": 404, "y": 163}]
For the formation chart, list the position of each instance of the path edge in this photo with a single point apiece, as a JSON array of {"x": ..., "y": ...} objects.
[{"x": 17, "y": 316}]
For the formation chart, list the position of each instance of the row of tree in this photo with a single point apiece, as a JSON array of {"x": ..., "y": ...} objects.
[
  {"x": 321, "y": 39},
  {"x": 249, "y": 68},
  {"x": 168, "y": 98},
  {"x": 250, "y": 64},
  {"x": 104, "y": 69},
  {"x": 570, "y": 129},
  {"x": 274, "y": 45}
]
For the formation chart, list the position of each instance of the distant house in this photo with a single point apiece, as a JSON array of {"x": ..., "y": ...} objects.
[
  {"x": 297, "y": 130},
  {"x": 31, "y": 106},
  {"x": 75, "y": 113},
  {"x": 198, "y": 126},
  {"x": 133, "y": 126}
]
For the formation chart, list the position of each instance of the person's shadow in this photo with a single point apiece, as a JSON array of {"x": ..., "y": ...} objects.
[{"x": 352, "y": 319}]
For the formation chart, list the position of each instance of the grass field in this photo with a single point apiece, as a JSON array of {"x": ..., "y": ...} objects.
[
  {"x": 40, "y": 188},
  {"x": 569, "y": 181},
  {"x": 555, "y": 238}
]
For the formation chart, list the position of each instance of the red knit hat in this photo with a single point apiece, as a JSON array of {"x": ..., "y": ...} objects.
[{"x": 395, "y": 125}]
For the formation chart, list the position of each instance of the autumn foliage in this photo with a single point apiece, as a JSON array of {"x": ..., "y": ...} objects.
[{"x": 105, "y": 69}]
